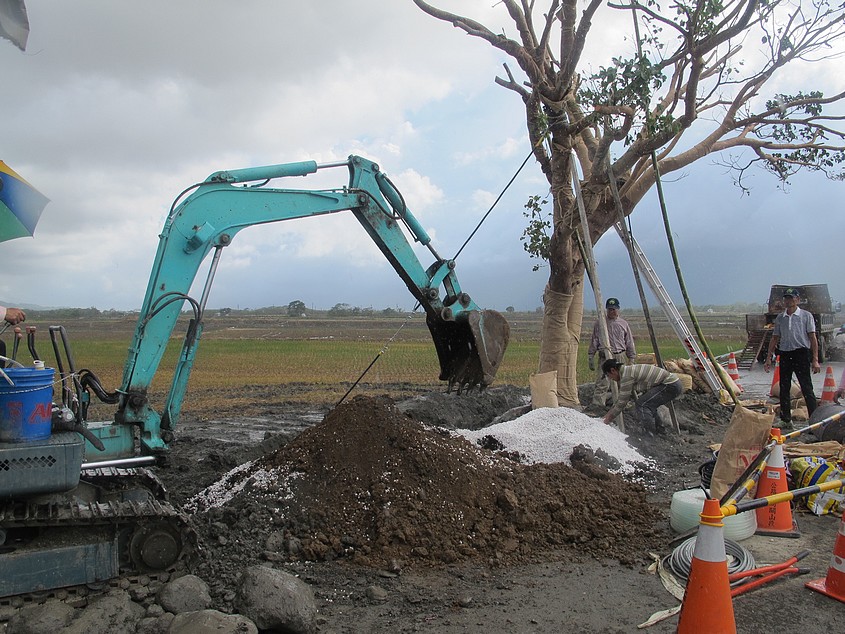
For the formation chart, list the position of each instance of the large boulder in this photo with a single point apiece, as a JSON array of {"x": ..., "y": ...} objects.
[
  {"x": 185, "y": 594},
  {"x": 276, "y": 600},
  {"x": 829, "y": 431}
]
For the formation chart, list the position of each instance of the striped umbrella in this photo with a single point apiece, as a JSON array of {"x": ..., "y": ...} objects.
[{"x": 20, "y": 205}]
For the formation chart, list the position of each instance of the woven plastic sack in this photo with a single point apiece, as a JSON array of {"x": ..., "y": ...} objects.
[{"x": 812, "y": 470}]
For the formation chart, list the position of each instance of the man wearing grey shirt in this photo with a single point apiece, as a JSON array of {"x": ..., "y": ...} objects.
[
  {"x": 621, "y": 348},
  {"x": 794, "y": 340}
]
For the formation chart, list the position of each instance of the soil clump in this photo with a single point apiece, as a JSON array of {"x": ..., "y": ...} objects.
[{"x": 373, "y": 486}]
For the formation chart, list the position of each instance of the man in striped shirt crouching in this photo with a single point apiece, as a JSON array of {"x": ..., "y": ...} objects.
[{"x": 656, "y": 386}]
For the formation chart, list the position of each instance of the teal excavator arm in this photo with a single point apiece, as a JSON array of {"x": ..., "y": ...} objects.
[{"x": 470, "y": 343}]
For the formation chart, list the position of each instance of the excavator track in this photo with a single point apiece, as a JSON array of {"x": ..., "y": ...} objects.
[
  {"x": 116, "y": 522},
  {"x": 79, "y": 596}
]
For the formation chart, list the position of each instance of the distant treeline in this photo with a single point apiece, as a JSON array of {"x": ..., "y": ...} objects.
[{"x": 297, "y": 308}]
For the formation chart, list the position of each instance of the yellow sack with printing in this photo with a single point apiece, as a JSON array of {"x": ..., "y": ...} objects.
[{"x": 812, "y": 470}]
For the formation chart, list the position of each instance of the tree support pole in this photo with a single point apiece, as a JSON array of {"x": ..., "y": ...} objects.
[
  {"x": 626, "y": 238},
  {"x": 586, "y": 246}
]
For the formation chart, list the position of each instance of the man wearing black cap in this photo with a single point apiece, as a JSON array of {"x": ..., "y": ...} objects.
[
  {"x": 794, "y": 340},
  {"x": 657, "y": 386},
  {"x": 621, "y": 349}
]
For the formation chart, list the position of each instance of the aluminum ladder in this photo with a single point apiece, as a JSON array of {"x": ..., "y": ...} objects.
[{"x": 678, "y": 324}]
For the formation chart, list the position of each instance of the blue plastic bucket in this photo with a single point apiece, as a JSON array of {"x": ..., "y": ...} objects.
[{"x": 26, "y": 407}]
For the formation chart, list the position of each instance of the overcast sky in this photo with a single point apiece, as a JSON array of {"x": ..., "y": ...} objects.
[{"x": 116, "y": 107}]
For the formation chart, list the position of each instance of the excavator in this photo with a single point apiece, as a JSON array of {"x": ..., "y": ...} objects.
[{"x": 82, "y": 506}]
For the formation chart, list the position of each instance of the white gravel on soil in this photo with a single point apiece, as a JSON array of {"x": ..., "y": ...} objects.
[
  {"x": 235, "y": 481},
  {"x": 550, "y": 434}
]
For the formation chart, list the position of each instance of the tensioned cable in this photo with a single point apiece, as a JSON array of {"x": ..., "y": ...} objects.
[
  {"x": 474, "y": 231},
  {"x": 495, "y": 202},
  {"x": 376, "y": 358}
]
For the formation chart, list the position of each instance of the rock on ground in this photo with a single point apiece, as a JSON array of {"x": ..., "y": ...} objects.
[
  {"x": 211, "y": 621},
  {"x": 185, "y": 594},
  {"x": 277, "y": 601}
]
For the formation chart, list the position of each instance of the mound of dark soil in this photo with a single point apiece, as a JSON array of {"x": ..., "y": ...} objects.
[{"x": 370, "y": 485}]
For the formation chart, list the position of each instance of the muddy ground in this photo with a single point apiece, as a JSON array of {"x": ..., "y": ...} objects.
[
  {"x": 546, "y": 571},
  {"x": 399, "y": 526}
]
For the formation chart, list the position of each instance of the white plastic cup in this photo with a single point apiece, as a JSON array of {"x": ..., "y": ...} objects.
[{"x": 39, "y": 365}]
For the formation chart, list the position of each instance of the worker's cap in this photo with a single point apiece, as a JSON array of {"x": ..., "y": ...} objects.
[
  {"x": 612, "y": 302},
  {"x": 609, "y": 365},
  {"x": 791, "y": 292}
]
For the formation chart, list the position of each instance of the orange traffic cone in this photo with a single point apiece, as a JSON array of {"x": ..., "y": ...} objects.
[
  {"x": 829, "y": 389},
  {"x": 707, "y": 605},
  {"x": 776, "y": 377},
  {"x": 775, "y": 520},
  {"x": 834, "y": 584},
  {"x": 733, "y": 370}
]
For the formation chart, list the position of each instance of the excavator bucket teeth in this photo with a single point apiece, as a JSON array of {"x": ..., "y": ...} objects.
[{"x": 470, "y": 350}]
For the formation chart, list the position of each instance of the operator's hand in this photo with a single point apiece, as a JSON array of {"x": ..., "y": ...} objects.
[
  {"x": 608, "y": 418},
  {"x": 15, "y": 316},
  {"x": 838, "y": 394},
  {"x": 768, "y": 363},
  {"x": 817, "y": 367},
  {"x": 592, "y": 362}
]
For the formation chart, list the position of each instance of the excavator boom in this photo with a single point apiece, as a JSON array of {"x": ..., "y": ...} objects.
[{"x": 470, "y": 342}]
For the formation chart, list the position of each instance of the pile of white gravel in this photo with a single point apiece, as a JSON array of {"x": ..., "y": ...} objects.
[{"x": 550, "y": 434}]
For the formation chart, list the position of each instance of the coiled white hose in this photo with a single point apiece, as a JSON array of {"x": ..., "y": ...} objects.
[{"x": 679, "y": 561}]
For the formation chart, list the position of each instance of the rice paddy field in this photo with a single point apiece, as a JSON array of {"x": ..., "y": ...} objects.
[{"x": 318, "y": 358}]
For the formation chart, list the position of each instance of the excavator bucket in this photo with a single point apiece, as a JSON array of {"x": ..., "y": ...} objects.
[{"x": 470, "y": 350}]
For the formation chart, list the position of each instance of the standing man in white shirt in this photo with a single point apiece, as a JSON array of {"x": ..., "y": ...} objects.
[{"x": 794, "y": 340}]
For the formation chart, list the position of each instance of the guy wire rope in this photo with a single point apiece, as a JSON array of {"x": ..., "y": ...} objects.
[
  {"x": 495, "y": 202},
  {"x": 376, "y": 358},
  {"x": 720, "y": 371}
]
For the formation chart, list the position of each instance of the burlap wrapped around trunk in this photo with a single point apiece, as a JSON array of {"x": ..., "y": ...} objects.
[{"x": 561, "y": 332}]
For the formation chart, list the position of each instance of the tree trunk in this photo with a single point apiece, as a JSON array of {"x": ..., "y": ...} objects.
[{"x": 563, "y": 299}]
